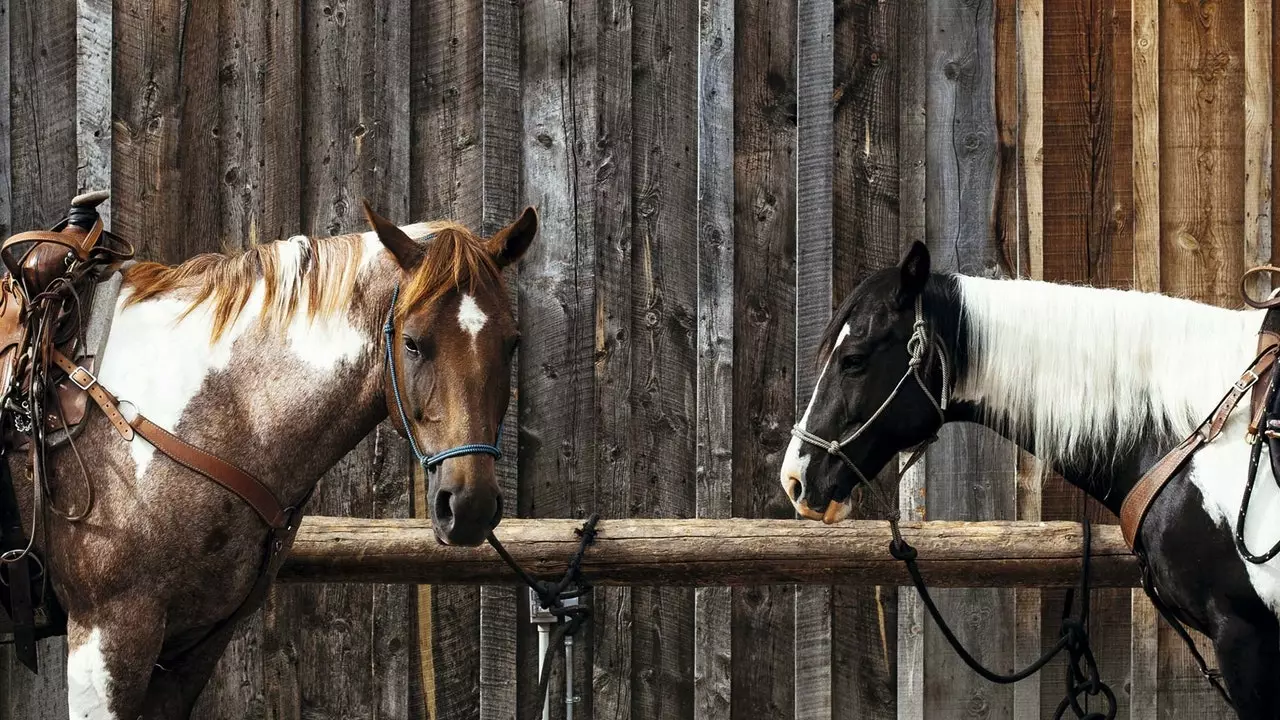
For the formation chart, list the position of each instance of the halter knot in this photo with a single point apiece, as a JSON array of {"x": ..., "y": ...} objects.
[{"x": 834, "y": 448}]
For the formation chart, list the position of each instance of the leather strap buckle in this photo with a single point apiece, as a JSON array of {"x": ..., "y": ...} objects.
[
  {"x": 1247, "y": 380},
  {"x": 82, "y": 378}
]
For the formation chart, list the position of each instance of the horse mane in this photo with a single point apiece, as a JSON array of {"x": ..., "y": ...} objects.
[
  {"x": 1090, "y": 372},
  {"x": 315, "y": 276}
]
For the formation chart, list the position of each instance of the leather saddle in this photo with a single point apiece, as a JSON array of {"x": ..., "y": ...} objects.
[{"x": 58, "y": 290}]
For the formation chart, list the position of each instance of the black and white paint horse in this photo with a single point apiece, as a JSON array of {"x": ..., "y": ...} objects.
[{"x": 1099, "y": 384}]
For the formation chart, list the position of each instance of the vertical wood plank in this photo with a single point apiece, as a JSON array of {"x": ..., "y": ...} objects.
[
  {"x": 1145, "y": 41},
  {"x": 815, "y": 148},
  {"x": 258, "y": 166},
  {"x": 446, "y": 171},
  {"x": 866, "y": 237},
  {"x": 615, "y": 341},
  {"x": 40, "y": 138},
  {"x": 1087, "y": 239},
  {"x": 1028, "y": 262},
  {"x": 93, "y": 99},
  {"x": 764, "y": 330},
  {"x": 1258, "y": 84},
  {"x": 1201, "y": 144},
  {"x": 973, "y": 473},
  {"x": 501, "y": 136},
  {"x": 355, "y": 139},
  {"x": 664, "y": 352},
  {"x": 716, "y": 403},
  {"x": 913, "y": 150},
  {"x": 557, "y": 287}
]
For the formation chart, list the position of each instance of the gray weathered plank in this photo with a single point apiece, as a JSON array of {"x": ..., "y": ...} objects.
[
  {"x": 93, "y": 99},
  {"x": 557, "y": 287},
  {"x": 764, "y": 331},
  {"x": 971, "y": 470},
  {"x": 815, "y": 148},
  {"x": 866, "y": 219},
  {"x": 712, "y": 660},
  {"x": 500, "y": 182},
  {"x": 664, "y": 355},
  {"x": 355, "y": 138},
  {"x": 615, "y": 339},
  {"x": 446, "y": 167}
]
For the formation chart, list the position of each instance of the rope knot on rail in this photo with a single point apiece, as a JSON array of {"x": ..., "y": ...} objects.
[{"x": 552, "y": 594}]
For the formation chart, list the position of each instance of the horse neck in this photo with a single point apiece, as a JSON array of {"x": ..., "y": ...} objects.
[
  {"x": 284, "y": 404},
  {"x": 1097, "y": 383}
]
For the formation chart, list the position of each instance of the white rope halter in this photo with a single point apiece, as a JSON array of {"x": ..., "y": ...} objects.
[{"x": 918, "y": 347}]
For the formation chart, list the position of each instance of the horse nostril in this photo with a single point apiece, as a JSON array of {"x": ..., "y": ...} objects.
[
  {"x": 444, "y": 507},
  {"x": 795, "y": 488},
  {"x": 497, "y": 514}
]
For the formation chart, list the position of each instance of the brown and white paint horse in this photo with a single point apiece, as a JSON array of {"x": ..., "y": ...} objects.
[{"x": 273, "y": 360}]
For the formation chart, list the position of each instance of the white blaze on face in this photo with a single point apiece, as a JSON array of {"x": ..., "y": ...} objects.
[
  {"x": 793, "y": 464},
  {"x": 470, "y": 317},
  {"x": 88, "y": 681}
]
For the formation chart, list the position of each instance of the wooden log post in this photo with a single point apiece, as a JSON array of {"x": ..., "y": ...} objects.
[{"x": 735, "y": 552}]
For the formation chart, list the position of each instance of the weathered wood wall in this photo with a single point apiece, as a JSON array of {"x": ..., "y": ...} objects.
[{"x": 712, "y": 176}]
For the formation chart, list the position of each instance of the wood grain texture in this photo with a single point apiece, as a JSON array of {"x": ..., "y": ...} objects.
[
  {"x": 664, "y": 306},
  {"x": 93, "y": 99},
  {"x": 257, "y": 150},
  {"x": 446, "y": 170},
  {"x": 705, "y": 552},
  {"x": 500, "y": 138},
  {"x": 164, "y": 164},
  {"x": 1087, "y": 239},
  {"x": 615, "y": 340},
  {"x": 1031, "y": 134},
  {"x": 1202, "y": 150},
  {"x": 815, "y": 149},
  {"x": 1258, "y": 87},
  {"x": 39, "y": 138},
  {"x": 356, "y": 144},
  {"x": 971, "y": 471},
  {"x": 865, "y": 219},
  {"x": 1201, "y": 143},
  {"x": 913, "y": 149},
  {"x": 1145, "y": 40},
  {"x": 557, "y": 286},
  {"x": 764, "y": 335},
  {"x": 260, "y": 94},
  {"x": 713, "y": 639}
]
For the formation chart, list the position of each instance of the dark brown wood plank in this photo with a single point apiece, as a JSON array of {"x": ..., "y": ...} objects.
[
  {"x": 39, "y": 179},
  {"x": 764, "y": 86},
  {"x": 1201, "y": 219},
  {"x": 355, "y": 140},
  {"x": 865, "y": 201},
  {"x": 616, "y": 337},
  {"x": 970, "y": 470},
  {"x": 258, "y": 147},
  {"x": 913, "y": 150},
  {"x": 713, "y": 640},
  {"x": 501, "y": 133},
  {"x": 165, "y": 168},
  {"x": 664, "y": 304},
  {"x": 557, "y": 290},
  {"x": 446, "y": 167}
]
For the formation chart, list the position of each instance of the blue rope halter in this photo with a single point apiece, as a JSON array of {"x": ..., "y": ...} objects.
[{"x": 428, "y": 462}]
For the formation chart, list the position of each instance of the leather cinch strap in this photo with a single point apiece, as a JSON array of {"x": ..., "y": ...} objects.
[
  {"x": 1138, "y": 502},
  {"x": 247, "y": 487}
]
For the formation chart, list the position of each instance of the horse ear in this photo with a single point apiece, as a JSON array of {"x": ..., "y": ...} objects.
[
  {"x": 509, "y": 244},
  {"x": 408, "y": 254},
  {"x": 915, "y": 273}
]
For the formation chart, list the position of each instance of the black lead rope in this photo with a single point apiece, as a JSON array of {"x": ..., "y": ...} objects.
[
  {"x": 1082, "y": 670},
  {"x": 552, "y": 594}
]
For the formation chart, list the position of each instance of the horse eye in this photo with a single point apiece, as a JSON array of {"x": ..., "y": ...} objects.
[
  {"x": 853, "y": 363},
  {"x": 411, "y": 346}
]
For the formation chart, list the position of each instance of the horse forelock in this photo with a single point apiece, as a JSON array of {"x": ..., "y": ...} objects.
[{"x": 453, "y": 259}]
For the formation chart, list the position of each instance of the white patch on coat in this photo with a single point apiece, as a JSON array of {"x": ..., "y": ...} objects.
[
  {"x": 88, "y": 681},
  {"x": 158, "y": 360},
  {"x": 470, "y": 317},
  {"x": 794, "y": 465}
]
